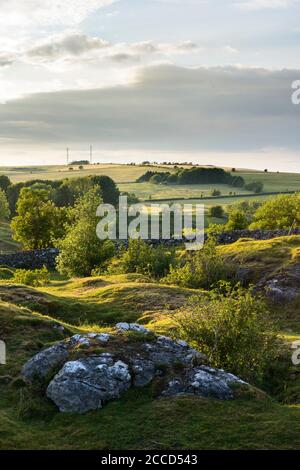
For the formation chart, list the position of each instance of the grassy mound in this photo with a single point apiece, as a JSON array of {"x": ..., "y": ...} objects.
[{"x": 28, "y": 322}]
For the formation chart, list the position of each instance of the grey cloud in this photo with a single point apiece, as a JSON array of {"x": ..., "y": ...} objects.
[
  {"x": 168, "y": 107},
  {"x": 73, "y": 44},
  {"x": 80, "y": 46}
]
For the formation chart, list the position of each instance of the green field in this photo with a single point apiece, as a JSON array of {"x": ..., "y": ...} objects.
[{"x": 129, "y": 173}]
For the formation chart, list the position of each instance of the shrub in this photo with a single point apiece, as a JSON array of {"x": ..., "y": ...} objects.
[
  {"x": 216, "y": 211},
  {"x": 255, "y": 186},
  {"x": 236, "y": 221},
  {"x": 141, "y": 258},
  {"x": 233, "y": 329},
  {"x": 6, "y": 273},
  {"x": 34, "y": 278},
  {"x": 4, "y": 207},
  {"x": 281, "y": 212},
  {"x": 203, "y": 269}
]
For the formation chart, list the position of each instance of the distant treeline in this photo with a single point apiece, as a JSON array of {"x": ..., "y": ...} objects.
[
  {"x": 200, "y": 176},
  {"x": 80, "y": 162},
  {"x": 62, "y": 192}
]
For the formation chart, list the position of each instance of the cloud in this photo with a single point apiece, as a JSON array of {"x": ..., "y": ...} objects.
[
  {"x": 66, "y": 45},
  {"x": 264, "y": 4},
  {"x": 166, "y": 108},
  {"x": 74, "y": 46},
  {"x": 26, "y": 13}
]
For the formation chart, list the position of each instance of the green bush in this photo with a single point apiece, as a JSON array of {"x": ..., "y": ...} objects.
[
  {"x": 6, "y": 273},
  {"x": 281, "y": 212},
  {"x": 232, "y": 328},
  {"x": 202, "y": 269},
  {"x": 141, "y": 258},
  {"x": 237, "y": 221},
  {"x": 34, "y": 278},
  {"x": 216, "y": 211}
]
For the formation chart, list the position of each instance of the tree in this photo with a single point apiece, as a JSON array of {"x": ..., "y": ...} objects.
[
  {"x": 216, "y": 211},
  {"x": 38, "y": 221},
  {"x": 237, "y": 221},
  {"x": 109, "y": 190},
  {"x": 4, "y": 183},
  {"x": 4, "y": 207},
  {"x": 281, "y": 212},
  {"x": 255, "y": 186},
  {"x": 81, "y": 250}
]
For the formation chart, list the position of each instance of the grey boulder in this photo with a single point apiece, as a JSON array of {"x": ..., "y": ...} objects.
[
  {"x": 40, "y": 365},
  {"x": 204, "y": 381},
  {"x": 87, "y": 384}
]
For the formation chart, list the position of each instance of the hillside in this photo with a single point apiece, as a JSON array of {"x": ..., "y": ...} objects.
[{"x": 29, "y": 320}]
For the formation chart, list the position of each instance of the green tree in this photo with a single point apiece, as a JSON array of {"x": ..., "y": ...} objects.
[
  {"x": 4, "y": 207},
  {"x": 109, "y": 190},
  {"x": 81, "y": 251},
  {"x": 4, "y": 183},
  {"x": 236, "y": 221},
  {"x": 282, "y": 212},
  {"x": 216, "y": 211},
  {"x": 38, "y": 221}
]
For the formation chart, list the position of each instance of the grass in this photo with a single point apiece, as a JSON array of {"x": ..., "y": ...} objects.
[
  {"x": 119, "y": 173},
  {"x": 139, "y": 420},
  {"x": 98, "y": 301},
  {"x": 7, "y": 244}
]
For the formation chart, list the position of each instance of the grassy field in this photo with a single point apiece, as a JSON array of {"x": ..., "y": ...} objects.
[
  {"x": 139, "y": 420},
  {"x": 119, "y": 173},
  {"x": 129, "y": 174}
]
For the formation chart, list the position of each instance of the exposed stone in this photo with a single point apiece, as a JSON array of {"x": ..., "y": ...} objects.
[
  {"x": 166, "y": 351},
  {"x": 40, "y": 365},
  {"x": 203, "y": 381},
  {"x": 144, "y": 372},
  {"x": 123, "y": 326},
  {"x": 86, "y": 384},
  {"x": 90, "y": 381},
  {"x": 101, "y": 337}
]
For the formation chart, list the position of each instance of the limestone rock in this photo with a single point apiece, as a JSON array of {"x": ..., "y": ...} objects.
[
  {"x": 203, "y": 381},
  {"x": 87, "y": 384},
  {"x": 40, "y": 365}
]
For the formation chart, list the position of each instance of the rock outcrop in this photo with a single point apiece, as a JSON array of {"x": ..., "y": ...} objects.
[{"x": 90, "y": 370}]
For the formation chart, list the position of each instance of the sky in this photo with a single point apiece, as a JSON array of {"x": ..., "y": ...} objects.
[{"x": 208, "y": 81}]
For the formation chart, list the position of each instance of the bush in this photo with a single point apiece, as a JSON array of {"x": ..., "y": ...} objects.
[
  {"x": 203, "y": 269},
  {"x": 236, "y": 221},
  {"x": 4, "y": 207},
  {"x": 6, "y": 273},
  {"x": 281, "y": 212},
  {"x": 233, "y": 330},
  {"x": 256, "y": 187},
  {"x": 141, "y": 258},
  {"x": 216, "y": 211},
  {"x": 34, "y": 278}
]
